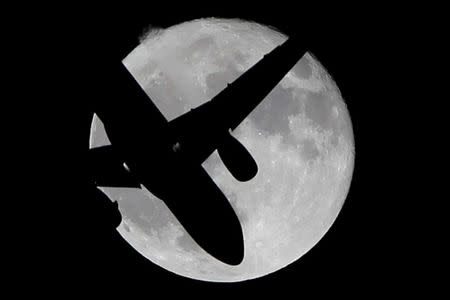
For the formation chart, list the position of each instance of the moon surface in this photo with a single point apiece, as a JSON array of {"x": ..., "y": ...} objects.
[{"x": 300, "y": 135}]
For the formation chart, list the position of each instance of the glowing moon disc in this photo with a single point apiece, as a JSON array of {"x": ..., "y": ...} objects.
[{"x": 300, "y": 136}]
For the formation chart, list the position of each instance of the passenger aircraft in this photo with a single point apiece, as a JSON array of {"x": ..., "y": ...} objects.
[{"x": 166, "y": 157}]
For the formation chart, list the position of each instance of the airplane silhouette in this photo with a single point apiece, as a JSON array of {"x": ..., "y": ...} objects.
[{"x": 166, "y": 157}]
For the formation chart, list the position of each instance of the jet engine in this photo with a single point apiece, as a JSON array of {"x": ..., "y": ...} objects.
[{"x": 237, "y": 159}]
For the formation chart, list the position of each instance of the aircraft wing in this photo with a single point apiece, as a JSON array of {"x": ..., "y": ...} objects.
[
  {"x": 233, "y": 104},
  {"x": 191, "y": 195},
  {"x": 131, "y": 119},
  {"x": 239, "y": 99},
  {"x": 134, "y": 124},
  {"x": 140, "y": 136}
]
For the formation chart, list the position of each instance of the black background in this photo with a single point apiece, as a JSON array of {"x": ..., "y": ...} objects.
[{"x": 363, "y": 252}]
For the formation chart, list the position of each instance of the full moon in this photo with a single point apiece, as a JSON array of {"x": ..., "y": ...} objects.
[{"x": 301, "y": 137}]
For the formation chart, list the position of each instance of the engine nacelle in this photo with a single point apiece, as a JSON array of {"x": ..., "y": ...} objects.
[{"x": 237, "y": 159}]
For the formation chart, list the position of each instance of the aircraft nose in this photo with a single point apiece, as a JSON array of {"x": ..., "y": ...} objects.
[
  {"x": 204, "y": 212},
  {"x": 216, "y": 230},
  {"x": 225, "y": 240},
  {"x": 211, "y": 221},
  {"x": 215, "y": 227}
]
